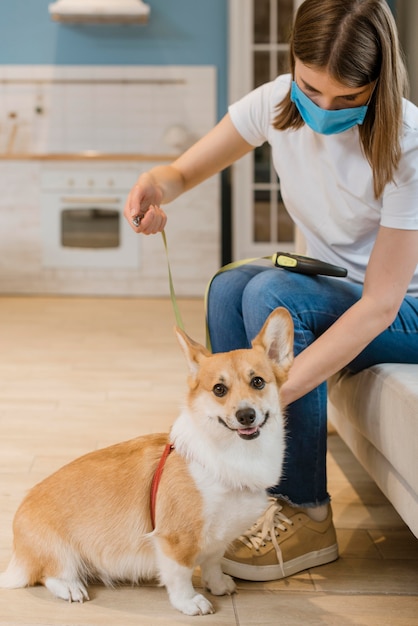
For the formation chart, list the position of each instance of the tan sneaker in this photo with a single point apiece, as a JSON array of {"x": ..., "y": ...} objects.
[{"x": 284, "y": 541}]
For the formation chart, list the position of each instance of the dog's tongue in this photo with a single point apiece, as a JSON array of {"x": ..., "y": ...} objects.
[{"x": 247, "y": 431}]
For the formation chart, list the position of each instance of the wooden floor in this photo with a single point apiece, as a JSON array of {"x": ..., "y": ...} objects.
[{"x": 77, "y": 374}]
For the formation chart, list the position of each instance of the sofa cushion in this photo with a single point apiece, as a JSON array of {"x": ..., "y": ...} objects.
[{"x": 382, "y": 403}]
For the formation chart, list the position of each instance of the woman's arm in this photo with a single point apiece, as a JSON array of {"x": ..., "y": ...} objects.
[
  {"x": 214, "y": 152},
  {"x": 392, "y": 263}
]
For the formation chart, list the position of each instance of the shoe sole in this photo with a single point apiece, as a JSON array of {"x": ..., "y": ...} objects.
[{"x": 264, "y": 573}]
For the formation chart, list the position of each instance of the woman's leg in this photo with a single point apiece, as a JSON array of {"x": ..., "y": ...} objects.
[
  {"x": 239, "y": 303},
  {"x": 397, "y": 344},
  {"x": 224, "y": 308},
  {"x": 287, "y": 540}
]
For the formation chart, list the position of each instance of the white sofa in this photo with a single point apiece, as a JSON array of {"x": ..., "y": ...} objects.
[{"x": 376, "y": 413}]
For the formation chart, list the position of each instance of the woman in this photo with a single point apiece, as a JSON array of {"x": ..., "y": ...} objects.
[{"x": 345, "y": 147}]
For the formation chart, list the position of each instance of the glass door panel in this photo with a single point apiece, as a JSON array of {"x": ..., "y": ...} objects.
[
  {"x": 272, "y": 26},
  {"x": 260, "y": 32}
]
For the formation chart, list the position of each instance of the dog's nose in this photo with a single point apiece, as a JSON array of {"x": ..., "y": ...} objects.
[{"x": 246, "y": 417}]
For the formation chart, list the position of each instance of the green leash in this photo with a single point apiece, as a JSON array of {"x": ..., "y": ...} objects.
[
  {"x": 176, "y": 309},
  {"x": 225, "y": 268}
]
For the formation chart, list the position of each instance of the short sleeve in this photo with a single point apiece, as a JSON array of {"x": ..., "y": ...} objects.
[
  {"x": 253, "y": 114},
  {"x": 400, "y": 199}
]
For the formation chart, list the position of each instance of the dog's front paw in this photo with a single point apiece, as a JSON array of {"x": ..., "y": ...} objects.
[
  {"x": 198, "y": 605},
  {"x": 71, "y": 590},
  {"x": 223, "y": 586}
]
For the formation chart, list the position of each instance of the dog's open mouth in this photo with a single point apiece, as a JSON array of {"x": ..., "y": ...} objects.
[{"x": 248, "y": 433}]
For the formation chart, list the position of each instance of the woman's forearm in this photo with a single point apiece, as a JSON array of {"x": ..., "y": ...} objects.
[
  {"x": 168, "y": 180},
  {"x": 333, "y": 350}
]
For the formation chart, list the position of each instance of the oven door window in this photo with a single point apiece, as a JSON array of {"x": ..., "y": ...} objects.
[{"x": 90, "y": 228}]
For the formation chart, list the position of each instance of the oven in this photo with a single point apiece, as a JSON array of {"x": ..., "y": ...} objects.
[{"x": 82, "y": 219}]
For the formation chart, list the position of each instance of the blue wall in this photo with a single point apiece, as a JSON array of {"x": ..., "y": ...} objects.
[{"x": 180, "y": 32}]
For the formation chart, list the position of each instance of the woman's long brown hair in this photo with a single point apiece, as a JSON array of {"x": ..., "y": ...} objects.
[{"x": 356, "y": 42}]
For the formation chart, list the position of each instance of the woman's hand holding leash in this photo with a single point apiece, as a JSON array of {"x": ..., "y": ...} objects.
[{"x": 142, "y": 208}]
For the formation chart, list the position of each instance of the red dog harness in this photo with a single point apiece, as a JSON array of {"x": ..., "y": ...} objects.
[{"x": 156, "y": 480}]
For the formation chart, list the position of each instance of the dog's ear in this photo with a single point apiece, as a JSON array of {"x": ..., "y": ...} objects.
[
  {"x": 276, "y": 337},
  {"x": 193, "y": 351}
]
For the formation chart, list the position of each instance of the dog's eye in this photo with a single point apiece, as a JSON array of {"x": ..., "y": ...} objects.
[
  {"x": 220, "y": 390},
  {"x": 258, "y": 383}
]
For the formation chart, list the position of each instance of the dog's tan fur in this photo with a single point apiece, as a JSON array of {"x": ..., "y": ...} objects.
[{"x": 91, "y": 519}]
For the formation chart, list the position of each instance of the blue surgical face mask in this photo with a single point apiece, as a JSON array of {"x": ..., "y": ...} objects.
[{"x": 322, "y": 120}]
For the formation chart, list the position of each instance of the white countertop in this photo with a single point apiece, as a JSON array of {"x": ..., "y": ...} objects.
[{"x": 87, "y": 156}]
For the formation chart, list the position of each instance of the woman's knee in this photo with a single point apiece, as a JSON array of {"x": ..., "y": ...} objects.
[{"x": 231, "y": 283}]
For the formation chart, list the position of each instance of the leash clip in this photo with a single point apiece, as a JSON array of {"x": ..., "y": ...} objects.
[{"x": 137, "y": 220}]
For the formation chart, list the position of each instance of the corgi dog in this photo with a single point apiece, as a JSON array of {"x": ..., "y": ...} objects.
[{"x": 92, "y": 519}]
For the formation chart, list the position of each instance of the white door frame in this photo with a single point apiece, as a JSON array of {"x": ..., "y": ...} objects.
[{"x": 240, "y": 72}]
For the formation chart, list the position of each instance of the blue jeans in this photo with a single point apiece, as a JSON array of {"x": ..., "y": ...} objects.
[{"x": 239, "y": 302}]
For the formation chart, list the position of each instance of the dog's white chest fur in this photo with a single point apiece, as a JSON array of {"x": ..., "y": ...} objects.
[
  {"x": 227, "y": 514},
  {"x": 232, "y": 474}
]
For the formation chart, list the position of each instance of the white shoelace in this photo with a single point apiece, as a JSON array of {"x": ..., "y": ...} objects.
[{"x": 265, "y": 530}]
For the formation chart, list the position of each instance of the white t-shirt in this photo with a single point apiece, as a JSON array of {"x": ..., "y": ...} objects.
[{"x": 327, "y": 183}]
